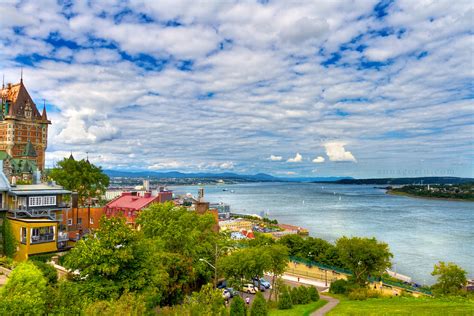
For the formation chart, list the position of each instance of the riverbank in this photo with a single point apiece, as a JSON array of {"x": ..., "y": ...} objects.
[{"x": 398, "y": 193}]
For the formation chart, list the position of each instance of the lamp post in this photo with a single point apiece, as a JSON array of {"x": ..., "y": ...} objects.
[{"x": 215, "y": 270}]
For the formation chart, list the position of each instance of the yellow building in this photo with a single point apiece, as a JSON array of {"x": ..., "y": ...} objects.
[
  {"x": 35, "y": 212},
  {"x": 34, "y": 236}
]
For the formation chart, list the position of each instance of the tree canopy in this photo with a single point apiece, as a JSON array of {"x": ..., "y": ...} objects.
[
  {"x": 364, "y": 257},
  {"x": 82, "y": 177},
  {"x": 451, "y": 278}
]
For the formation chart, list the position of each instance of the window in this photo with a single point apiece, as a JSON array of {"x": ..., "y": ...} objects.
[
  {"x": 42, "y": 200},
  {"x": 69, "y": 222},
  {"x": 79, "y": 221},
  {"x": 42, "y": 234},
  {"x": 23, "y": 235},
  {"x": 91, "y": 220}
]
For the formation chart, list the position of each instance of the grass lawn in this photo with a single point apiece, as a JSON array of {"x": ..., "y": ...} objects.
[
  {"x": 404, "y": 306},
  {"x": 298, "y": 310}
]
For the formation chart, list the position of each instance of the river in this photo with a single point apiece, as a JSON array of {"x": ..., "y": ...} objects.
[{"x": 419, "y": 232}]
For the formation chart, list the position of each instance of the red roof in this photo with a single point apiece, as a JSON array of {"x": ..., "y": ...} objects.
[{"x": 133, "y": 202}]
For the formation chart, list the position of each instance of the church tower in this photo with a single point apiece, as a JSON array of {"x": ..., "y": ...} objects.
[{"x": 23, "y": 129}]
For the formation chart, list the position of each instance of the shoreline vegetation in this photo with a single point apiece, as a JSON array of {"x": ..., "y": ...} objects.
[
  {"x": 459, "y": 193},
  {"x": 398, "y": 193}
]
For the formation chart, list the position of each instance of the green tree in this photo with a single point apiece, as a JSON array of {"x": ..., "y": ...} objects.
[
  {"x": 276, "y": 264},
  {"x": 364, "y": 257},
  {"x": 25, "y": 292},
  {"x": 208, "y": 301},
  {"x": 259, "y": 306},
  {"x": 284, "y": 300},
  {"x": 237, "y": 307},
  {"x": 451, "y": 278},
  {"x": 49, "y": 272},
  {"x": 116, "y": 259},
  {"x": 82, "y": 177},
  {"x": 128, "y": 304}
]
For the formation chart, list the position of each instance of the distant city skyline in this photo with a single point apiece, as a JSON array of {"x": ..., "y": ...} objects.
[{"x": 292, "y": 89}]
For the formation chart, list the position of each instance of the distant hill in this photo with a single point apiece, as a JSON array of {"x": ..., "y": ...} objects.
[
  {"x": 224, "y": 175},
  {"x": 181, "y": 175},
  {"x": 403, "y": 181}
]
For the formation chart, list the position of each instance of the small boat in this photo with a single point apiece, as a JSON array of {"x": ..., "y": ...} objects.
[{"x": 225, "y": 189}]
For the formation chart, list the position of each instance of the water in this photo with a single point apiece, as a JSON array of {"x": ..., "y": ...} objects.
[{"x": 419, "y": 232}]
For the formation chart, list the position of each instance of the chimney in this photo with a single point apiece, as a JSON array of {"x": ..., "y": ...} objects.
[{"x": 201, "y": 195}]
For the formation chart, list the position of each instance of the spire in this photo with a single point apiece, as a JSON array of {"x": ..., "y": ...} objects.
[
  {"x": 21, "y": 75},
  {"x": 43, "y": 115},
  {"x": 87, "y": 157},
  {"x": 71, "y": 156}
]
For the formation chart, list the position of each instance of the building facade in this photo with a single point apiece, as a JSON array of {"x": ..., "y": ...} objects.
[{"x": 23, "y": 129}]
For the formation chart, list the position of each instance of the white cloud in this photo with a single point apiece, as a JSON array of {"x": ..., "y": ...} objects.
[
  {"x": 275, "y": 158},
  {"x": 290, "y": 173},
  {"x": 297, "y": 158},
  {"x": 227, "y": 165},
  {"x": 337, "y": 152},
  {"x": 319, "y": 159},
  {"x": 165, "y": 165}
]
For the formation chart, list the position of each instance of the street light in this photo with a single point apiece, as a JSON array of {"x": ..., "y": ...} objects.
[{"x": 215, "y": 270}]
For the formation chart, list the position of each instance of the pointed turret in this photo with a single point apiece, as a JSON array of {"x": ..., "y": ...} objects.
[
  {"x": 44, "y": 117},
  {"x": 71, "y": 157}
]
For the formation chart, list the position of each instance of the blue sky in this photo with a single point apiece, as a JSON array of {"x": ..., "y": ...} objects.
[{"x": 291, "y": 88}]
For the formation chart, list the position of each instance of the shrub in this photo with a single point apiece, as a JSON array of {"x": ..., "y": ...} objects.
[
  {"x": 342, "y": 287},
  {"x": 259, "y": 306},
  {"x": 295, "y": 296},
  {"x": 9, "y": 241},
  {"x": 237, "y": 307},
  {"x": 313, "y": 294},
  {"x": 25, "y": 292},
  {"x": 303, "y": 294},
  {"x": 284, "y": 301},
  {"x": 49, "y": 272},
  {"x": 127, "y": 304}
]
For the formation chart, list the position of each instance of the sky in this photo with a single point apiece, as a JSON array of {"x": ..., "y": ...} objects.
[{"x": 290, "y": 88}]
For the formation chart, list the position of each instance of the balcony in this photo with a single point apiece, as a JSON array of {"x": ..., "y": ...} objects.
[{"x": 42, "y": 238}]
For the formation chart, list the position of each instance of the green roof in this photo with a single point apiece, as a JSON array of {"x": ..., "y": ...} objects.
[{"x": 29, "y": 150}]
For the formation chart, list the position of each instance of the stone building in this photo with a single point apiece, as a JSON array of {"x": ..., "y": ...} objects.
[{"x": 23, "y": 131}]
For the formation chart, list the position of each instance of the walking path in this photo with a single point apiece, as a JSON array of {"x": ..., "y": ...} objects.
[{"x": 332, "y": 302}]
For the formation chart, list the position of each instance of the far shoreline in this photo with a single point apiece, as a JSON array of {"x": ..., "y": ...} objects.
[{"x": 391, "y": 192}]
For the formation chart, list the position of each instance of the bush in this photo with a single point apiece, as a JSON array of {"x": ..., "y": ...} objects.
[
  {"x": 295, "y": 296},
  {"x": 342, "y": 287},
  {"x": 127, "y": 304},
  {"x": 313, "y": 294},
  {"x": 9, "y": 241},
  {"x": 259, "y": 306},
  {"x": 303, "y": 294},
  {"x": 284, "y": 301},
  {"x": 49, "y": 272},
  {"x": 7, "y": 262},
  {"x": 237, "y": 307}
]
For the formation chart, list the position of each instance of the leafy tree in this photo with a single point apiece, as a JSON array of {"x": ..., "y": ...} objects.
[
  {"x": 313, "y": 294},
  {"x": 295, "y": 244},
  {"x": 295, "y": 296},
  {"x": 208, "y": 301},
  {"x": 49, "y": 272},
  {"x": 303, "y": 294},
  {"x": 284, "y": 300},
  {"x": 259, "y": 306},
  {"x": 277, "y": 262},
  {"x": 25, "y": 292},
  {"x": 82, "y": 177},
  {"x": 451, "y": 278},
  {"x": 128, "y": 304},
  {"x": 237, "y": 307},
  {"x": 116, "y": 259},
  {"x": 364, "y": 257},
  {"x": 184, "y": 237}
]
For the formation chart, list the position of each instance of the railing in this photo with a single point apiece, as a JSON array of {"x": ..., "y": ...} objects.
[
  {"x": 405, "y": 286},
  {"x": 42, "y": 238}
]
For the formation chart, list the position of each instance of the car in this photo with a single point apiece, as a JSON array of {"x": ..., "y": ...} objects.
[
  {"x": 232, "y": 292},
  {"x": 263, "y": 282},
  {"x": 249, "y": 288},
  {"x": 226, "y": 294}
]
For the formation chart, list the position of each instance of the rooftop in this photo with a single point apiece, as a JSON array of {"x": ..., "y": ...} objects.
[{"x": 136, "y": 202}]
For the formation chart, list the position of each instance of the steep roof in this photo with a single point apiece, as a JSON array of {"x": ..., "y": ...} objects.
[
  {"x": 29, "y": 150},
  {"x": 132, "y": 201},
  {"x": 19, "y": 101}
]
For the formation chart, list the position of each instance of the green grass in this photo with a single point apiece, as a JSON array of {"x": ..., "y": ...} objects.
[
  {"x": 298, "y": 310},
  {"x": 404, "y": 306}
]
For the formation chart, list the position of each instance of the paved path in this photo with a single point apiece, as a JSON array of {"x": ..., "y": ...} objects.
[{"x": 332, "y": 302}]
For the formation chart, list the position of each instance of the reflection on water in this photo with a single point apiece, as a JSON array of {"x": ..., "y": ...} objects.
[{"x": 419, "y": 232}]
